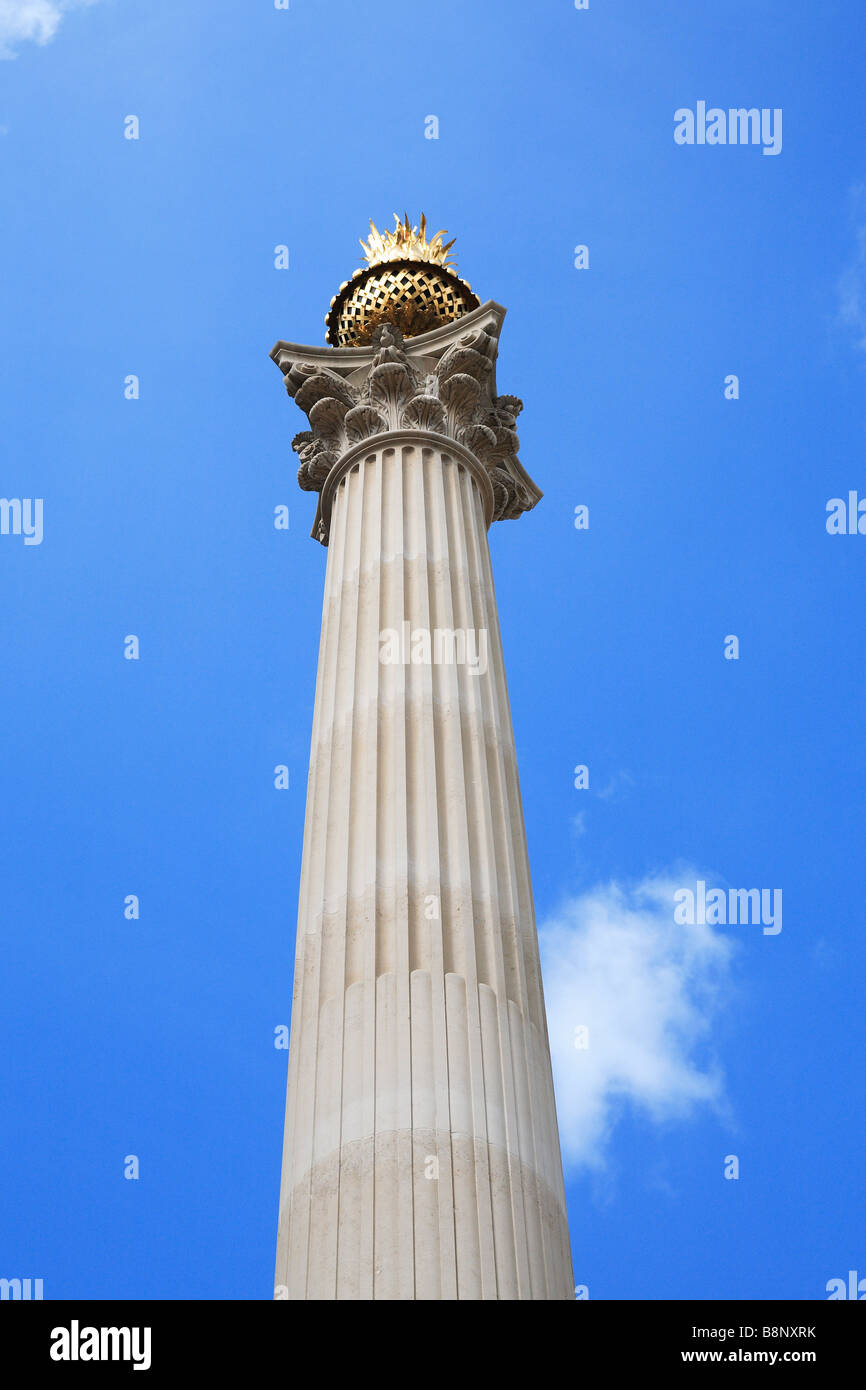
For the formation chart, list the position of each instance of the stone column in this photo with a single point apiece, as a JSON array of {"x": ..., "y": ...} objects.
[{"x": 421, "y": 1156}]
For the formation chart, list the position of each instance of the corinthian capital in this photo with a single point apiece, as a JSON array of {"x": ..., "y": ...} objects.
[{"x": 441, "y": 384}]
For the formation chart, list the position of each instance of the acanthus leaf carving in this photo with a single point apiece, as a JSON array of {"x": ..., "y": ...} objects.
[
  {"x": 464, "y": 360},
  {"x": 316, "y": 460},
  {"x": 503, "y": 493},
  {"x": 480, "y": 440},
  {"x": 508, "y": 407},
  {"x": 327, "y": 414},
  {"x": 361, "y": 422},
  {"x": 392, "y": 384},
  {"x": 319, "y": 385},
  {"x": 425, "y": 412},
  {"x": 461, "y": 394}
]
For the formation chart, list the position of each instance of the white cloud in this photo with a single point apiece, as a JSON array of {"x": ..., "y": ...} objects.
[
  {"x": 617, "y": 783},
  {"x": 31, "y": 20},
  {"x": 647, "y": 990}
]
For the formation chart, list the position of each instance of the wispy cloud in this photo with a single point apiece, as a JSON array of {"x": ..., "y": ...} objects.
[
  {"x": 619, "y": 782},
  {"x": 31, "y": 21},
  {"x": 646, "y": 991},
  {"x": 852, "y": 282}
]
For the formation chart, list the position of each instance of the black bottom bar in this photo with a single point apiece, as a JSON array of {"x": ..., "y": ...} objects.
[{"x": 72, "y": 1339}]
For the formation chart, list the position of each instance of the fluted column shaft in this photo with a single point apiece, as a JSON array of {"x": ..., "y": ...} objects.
[{"x": 421, "y": 1156}]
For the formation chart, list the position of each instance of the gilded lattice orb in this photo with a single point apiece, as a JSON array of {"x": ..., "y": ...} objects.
[{"x": 408, "y": 281}]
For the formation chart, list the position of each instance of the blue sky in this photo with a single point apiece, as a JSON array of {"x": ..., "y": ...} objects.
[{"x": 154, "y": 777}]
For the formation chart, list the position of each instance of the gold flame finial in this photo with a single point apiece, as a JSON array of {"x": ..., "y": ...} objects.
[{"x": 406, "y": 243}]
